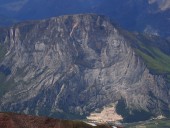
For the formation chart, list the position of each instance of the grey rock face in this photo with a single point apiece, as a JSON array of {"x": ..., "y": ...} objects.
[{"x": 76, "y": 64}]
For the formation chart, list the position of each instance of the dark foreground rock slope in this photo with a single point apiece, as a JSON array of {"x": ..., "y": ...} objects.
[
  {"x": 11, "y": 120},
  {"x": 71, "y": 66}
]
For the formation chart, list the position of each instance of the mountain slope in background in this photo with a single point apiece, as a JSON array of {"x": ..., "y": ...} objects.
[
  {"x": 71, "y": 66},
  {"x": 149, "y": 16}
]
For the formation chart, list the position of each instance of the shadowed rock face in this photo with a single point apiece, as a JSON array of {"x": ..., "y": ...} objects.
[{"x": 70, "y": 66}]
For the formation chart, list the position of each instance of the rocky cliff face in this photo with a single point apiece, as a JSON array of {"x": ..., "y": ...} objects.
[{"x": 70, "y": 66}]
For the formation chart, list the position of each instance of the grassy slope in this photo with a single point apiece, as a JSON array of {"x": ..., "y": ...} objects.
[
  {"x": 151, "y": 50},
  {"x": 156, "y": 60}
]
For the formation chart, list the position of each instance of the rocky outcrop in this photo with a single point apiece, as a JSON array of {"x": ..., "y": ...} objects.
[{"x": 70, "y": 66}]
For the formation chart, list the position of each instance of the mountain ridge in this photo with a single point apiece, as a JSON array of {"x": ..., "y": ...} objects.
[{"x": 133, "y": 15}]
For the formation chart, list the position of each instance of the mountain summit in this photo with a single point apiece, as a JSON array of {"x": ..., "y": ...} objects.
[
  {"x": 149, "y": 16},
  {"x": 74, "y": 65}
]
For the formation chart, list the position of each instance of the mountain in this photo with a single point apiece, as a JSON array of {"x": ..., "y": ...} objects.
[
  {"x": 148, "y": 16},
  {"x": 11, "y": 120},
  {"x": 75, "y": 65}
]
